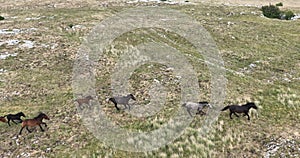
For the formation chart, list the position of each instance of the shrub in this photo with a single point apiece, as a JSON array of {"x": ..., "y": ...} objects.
[
  {"x": 287, "y": 15},
  {"x": 271, "y": 11},
  {"x": 279, "y": 4},
  {"x": 1, "y": 18}
]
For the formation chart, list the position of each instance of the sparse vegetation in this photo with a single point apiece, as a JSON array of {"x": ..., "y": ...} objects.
[{"x": 261, "y": 59}]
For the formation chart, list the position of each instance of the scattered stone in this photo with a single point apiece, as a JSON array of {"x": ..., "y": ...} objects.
[
  {"x": 229, "y": 23},
  {"x": 72, "y": 27},
  {"x": 2, "y": 71},
  {"x": 252, "y": 65},
  {"x": 17, "y": 31},
  {"x": 6, "y": 55},
  {"x": 276, "y": 146},
  {"x": 27, "y": 44},
  {"x": 48, "y": 150},
  {"x": 22, "y": 43},
  {"x": 35, "y": 18},
  {"x": 296, "y": 17}
]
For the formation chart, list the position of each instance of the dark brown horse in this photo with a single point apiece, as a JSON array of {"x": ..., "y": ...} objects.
[
  {"x": 2, "y": 119},
  {"x": 36, "y": 121},
  {"x": 240, "y": 109}
]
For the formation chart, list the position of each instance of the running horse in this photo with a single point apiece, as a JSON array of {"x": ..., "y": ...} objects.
[
  {"x": 240, "y": 109},
  {"x": 196, "y": 106},
  {"x": 36, "y": 121},
  {"x": 123, "y": 100},
  {"x": 85, "y": 100},
  {"x": 14, "y": 117}
]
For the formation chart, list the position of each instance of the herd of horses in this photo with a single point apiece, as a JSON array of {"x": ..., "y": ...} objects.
[
  {"x": 198, "y": 106},
  {"x": 36, "y": 121},
  {"x": 122, "y": 100}
]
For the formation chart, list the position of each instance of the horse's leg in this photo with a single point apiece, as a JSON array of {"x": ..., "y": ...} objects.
[
  {"x": 188, "y": 110},
  {"x": 246, "y": 113},
  {"x": 14, "y": 122},
  {"x": 230, "y": 114},
  {"x": 117, "y": 107},
  {"x": 44, "y": 124},
  {"x": 201, "y": 112},
  {"x": 21, "y": 131},
  {"x": 128, "y": 106},
  {"x": 41, "y": 128},
  {"x": 236, "y": 114},
  {"x": 28, "y": 129},
  {"x": 8, "y": 120},
  {"x": 80, "y": 106},
  {"x": 90, "y": 104}
]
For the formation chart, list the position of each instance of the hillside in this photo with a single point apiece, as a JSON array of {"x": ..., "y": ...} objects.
[{"x": 38, "y": 51}]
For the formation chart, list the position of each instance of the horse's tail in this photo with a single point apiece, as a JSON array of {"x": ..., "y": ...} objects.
[{"x": 225, "y": 108}]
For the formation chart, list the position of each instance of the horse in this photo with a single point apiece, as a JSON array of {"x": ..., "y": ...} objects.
[
  {"x": 122, "y": 100},
  {"x": 2, "y": 119},
  {"x": 13, "y": 117},
  {"x": 85, "y": 100},
  {"x": 196, "y": 106},
  {"x": 240, "y": 109},
  {"x": 36, "y": 121}
]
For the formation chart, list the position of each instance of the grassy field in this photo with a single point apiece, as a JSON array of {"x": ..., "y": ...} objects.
[{"x": 262, "y": 64}]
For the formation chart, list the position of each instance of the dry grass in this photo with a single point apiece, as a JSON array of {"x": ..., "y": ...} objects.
[{"x": 39, "y": 79}]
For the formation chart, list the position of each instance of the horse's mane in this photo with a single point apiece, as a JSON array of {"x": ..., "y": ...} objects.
[
  {"x": 249, "y": 103},
  {"x": 38, "y": 116}
]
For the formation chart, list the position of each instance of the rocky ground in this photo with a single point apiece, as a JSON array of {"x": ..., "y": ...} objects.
[{"x": 39, "y": 41}]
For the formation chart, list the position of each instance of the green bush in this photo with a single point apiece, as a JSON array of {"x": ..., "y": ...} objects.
[
  {"x": 271, "y": 11},
  {"x": 287, "y": 15},
  {"x": 1, "y": 18},
  {"x": 279, "y": 4}
]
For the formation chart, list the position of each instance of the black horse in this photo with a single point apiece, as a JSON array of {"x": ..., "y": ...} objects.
[
  {"x": 240, "y": 109},
  {"x": 14, "y": 117}
]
